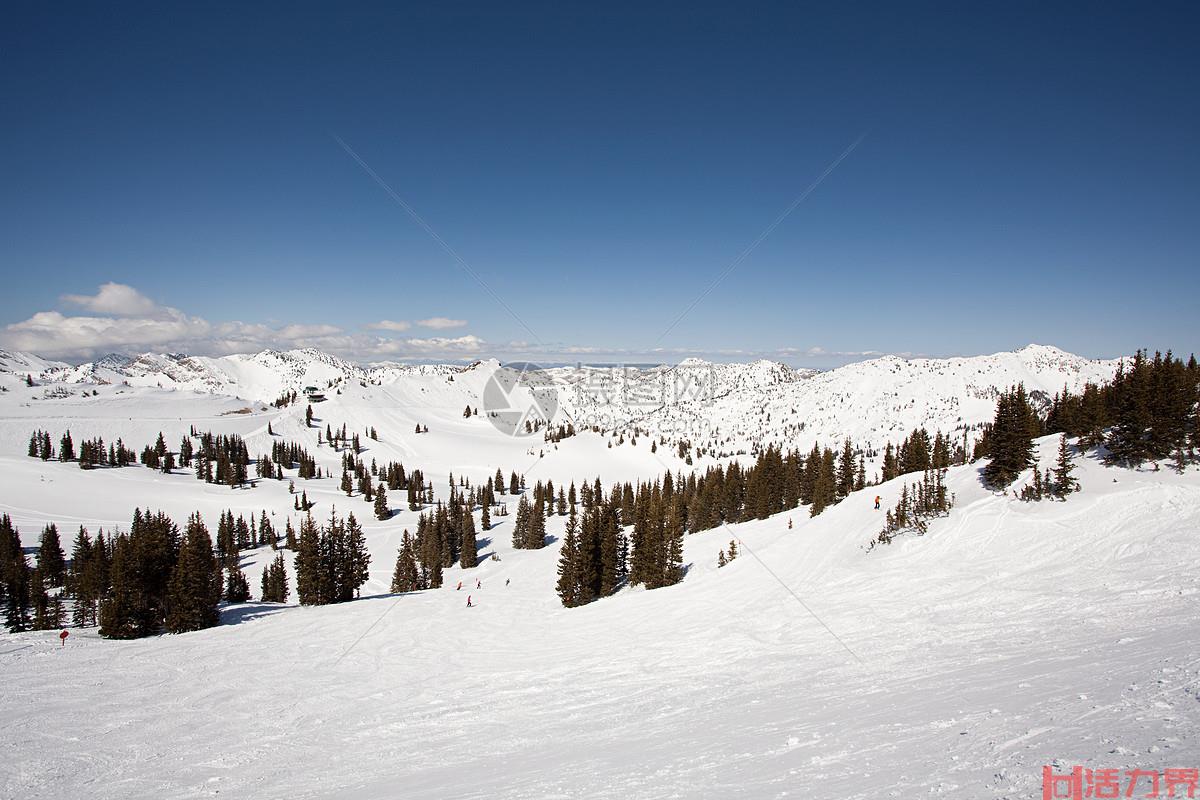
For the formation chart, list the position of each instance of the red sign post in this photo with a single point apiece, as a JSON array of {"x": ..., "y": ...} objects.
[{"x": 64, "y": 636}]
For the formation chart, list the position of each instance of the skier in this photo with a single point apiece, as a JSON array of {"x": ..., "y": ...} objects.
[
  {"x": 469, "y": 601},
  {"x": 877, "y": 499},
  {"x": 478, "y": 585},
  {"x": 507, "y": 581},
  {"x": 459, "y": 586}
]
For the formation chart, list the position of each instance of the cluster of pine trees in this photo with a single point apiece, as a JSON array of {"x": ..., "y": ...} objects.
[
  {"x": 918, "y": 453},
  {"x": 159, "y": 580},
  {"x": 242, "y": 535},
  {"x": 1147, "y": 413},
  {"x": 516, "y": 483},
  {"x": 332, "y": 560},
  {"x": 723, "y": 559},
  {"x": 919, "y": 502},
  {"x": 88, "y": 579},
  {"x": 152, "y": 579},
  {"x": 556, "y": 433},
  {"x": 159, "y": 457},
  {"x": 393, "y": 476},
  {"x": 1055, "y": 482},
  {"x": 598, "y": 556},
  {"x": 341, "y": 440},
  {"x": 25, "y": 591},
  {"x": 529, "y": 528},
  {"x": 776, "y": 482},
  {"x": 445, "y": 536},
  {"x": 288, "y": 455},
  {"x": 286, "y": 399},
  {"x": 275, "y": 587},
  {"x": 594, "y": 559},
  {"x": 1008, "y": 441},
  {"x": 92, "y": 452},
  {"x": 219, "y": 458}
]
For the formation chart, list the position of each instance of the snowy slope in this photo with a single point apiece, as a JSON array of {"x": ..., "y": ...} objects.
[
  {"x": 1012, "y": 635},
  {"x": 728, "y": 409},
  {"x": 956, "y": 664},
  {"x": 723, "y": 409}
]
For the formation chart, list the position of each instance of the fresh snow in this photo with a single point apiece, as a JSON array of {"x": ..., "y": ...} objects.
[{"x": 1012, "y": 635}]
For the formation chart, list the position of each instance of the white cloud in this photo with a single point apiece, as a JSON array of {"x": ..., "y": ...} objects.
[
  {"x": 116, "y": 299},
  {"x": 468, "y": 344},
  {"x": 53, "y": 334},
  {"x": 441, "y": 323},
  {"x": 389, "y": 325},
  {"x": 119, "y": 318}
]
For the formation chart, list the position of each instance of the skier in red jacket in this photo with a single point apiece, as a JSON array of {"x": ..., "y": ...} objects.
[{"x": 469, "y": 601}]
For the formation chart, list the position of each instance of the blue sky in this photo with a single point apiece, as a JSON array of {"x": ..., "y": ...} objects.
[{"x": 1024, "y": 174}]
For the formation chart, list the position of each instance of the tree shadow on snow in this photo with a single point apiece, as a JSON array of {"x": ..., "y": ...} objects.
[{"x": 238, "y": 613}]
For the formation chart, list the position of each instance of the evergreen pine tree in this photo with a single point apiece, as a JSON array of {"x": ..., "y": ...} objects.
[
  {"x": 1064, "y": 484},
  {"x": 520, "y": 536},
  {"x": 237, "y": 588},
  {"x": 15, "y": 577},
  {"x": 405, "y": 577},
  {"x": 470, "y": 555},
  {"x": 119, "y": 608},
  {"x": 39, "y": 600},
  {"x": 1129, "y": 439},
  {"x": 536, "y": 534},
  {"x": 1010, "y": 439},
  {"x": 195, "y": 586},
  {"x": 382, "y": 512},
  {"x": 568, "y": 564},
  {"x": 358, "y": 559},
  {"x": 673, "y": 536},
  {"x": 51, "y": 560},
  {"x": 308, "y": 563}
]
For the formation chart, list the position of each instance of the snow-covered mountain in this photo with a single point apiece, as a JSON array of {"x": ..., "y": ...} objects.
[
  {"x": 20, "y": 365},
  {"x": 722, "y": 409},
  {"x": 730, "y": 408},
  {"x": 960, "y": 661},
  {"x": 881, "y": 400},
  {"x": 254, "y": 376}
]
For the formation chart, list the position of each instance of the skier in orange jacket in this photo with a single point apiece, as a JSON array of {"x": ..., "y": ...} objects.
[{"x": 877, "y": 499}]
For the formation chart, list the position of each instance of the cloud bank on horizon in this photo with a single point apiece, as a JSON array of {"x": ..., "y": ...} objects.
[{"x": 119, "y": 318}]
